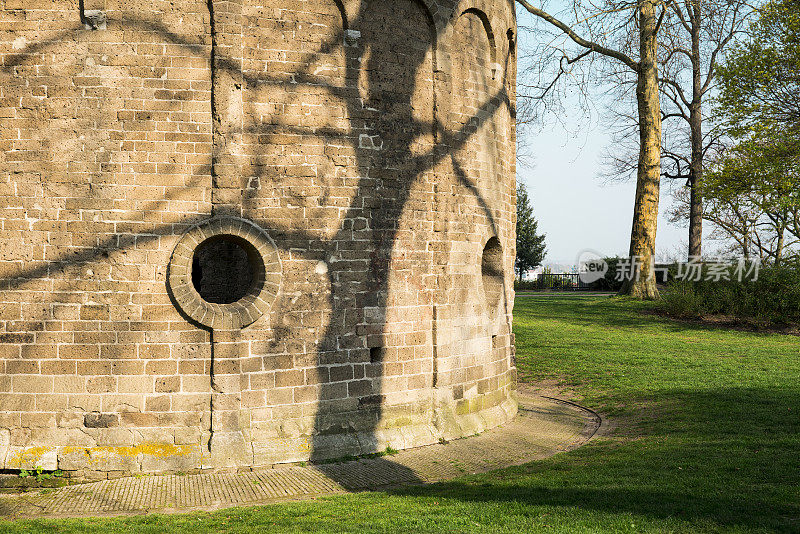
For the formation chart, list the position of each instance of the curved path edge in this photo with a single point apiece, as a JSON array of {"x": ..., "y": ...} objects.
[{"x": 545, "y": 426}]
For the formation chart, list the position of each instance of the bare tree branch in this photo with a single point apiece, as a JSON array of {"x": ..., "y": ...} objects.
[{"x": 592, "y": 46}]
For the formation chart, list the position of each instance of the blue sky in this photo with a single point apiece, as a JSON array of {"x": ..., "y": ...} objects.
[{"x": 577, "y": 208}]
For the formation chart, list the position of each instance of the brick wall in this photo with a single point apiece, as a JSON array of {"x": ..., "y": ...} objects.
[{"x": 372, "y": 141}]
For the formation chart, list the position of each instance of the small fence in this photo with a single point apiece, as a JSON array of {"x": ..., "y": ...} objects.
[
  {"x": 559, "y": 282},
  {"x": 572, "y": 282}
]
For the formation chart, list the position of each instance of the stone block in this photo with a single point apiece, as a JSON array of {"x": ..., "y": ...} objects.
[{"x": 100, "y": 420}]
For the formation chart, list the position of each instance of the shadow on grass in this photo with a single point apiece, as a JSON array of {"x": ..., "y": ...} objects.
[
  {"x": 716, "y": 460},
  {"x": 727, "y": 457}
]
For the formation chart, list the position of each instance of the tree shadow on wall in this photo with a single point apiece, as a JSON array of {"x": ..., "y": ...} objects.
[{"x": 385, "y": 180}]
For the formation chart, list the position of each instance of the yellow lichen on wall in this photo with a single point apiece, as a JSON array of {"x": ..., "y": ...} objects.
[
  {"x": 30, "y": 457},
  {"x": 160, "y": 450}
]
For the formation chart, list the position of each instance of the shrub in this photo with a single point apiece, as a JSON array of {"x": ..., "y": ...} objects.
[
  {"x": 680, "y": 300},
  {"x": 526, "y": 285},
  {"x": 609, "y": 281},
  {"x": 774, "y": 297}
]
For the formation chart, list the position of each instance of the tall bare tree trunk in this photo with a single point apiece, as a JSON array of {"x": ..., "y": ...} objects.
[
  {"x": 696, "y": 129},
  {"x": 746, "y": 245},
  {"x": 648, "y": 176}
]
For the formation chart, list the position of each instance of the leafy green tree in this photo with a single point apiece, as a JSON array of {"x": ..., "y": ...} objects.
[
  {"x": 760, "y": 108},
  {"x": 760, "y": 81},
  {"x": 530, "y": 244}
]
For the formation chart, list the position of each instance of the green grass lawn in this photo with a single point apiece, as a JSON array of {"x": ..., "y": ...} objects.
[{"x": 707, "y": 440}]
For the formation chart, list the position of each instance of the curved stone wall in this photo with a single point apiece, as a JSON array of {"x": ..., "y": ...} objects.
[{"x": 249, "y": 232}]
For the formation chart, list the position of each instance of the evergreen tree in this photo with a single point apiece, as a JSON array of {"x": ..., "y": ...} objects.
[{"x": 530, "y": 245}]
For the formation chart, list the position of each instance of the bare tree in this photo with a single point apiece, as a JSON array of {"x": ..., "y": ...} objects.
[
  {"x": 613, "y": 23},
  {"x": 750, "y": 224},
  {"x": 693, "y": 38}
]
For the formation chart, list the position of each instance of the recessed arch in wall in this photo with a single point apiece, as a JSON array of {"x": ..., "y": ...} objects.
[
  {"x": 492, "y": 277},
  {"x": 487, "y": 25}
]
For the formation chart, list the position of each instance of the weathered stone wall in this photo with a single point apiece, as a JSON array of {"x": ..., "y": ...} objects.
[{"x": 361, "y": 154}]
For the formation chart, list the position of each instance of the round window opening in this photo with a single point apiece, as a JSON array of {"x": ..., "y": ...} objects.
[
  {"x": 224, "y": 273},
  {"x": 225, "y": 269},
  {"x": 492, "y": 273}
]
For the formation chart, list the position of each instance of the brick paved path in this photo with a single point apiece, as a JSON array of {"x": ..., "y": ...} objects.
[{"x": 543, "y": 428}]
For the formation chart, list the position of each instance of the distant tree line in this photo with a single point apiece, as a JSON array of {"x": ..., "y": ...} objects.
[{"x": 706, "y": 93}]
